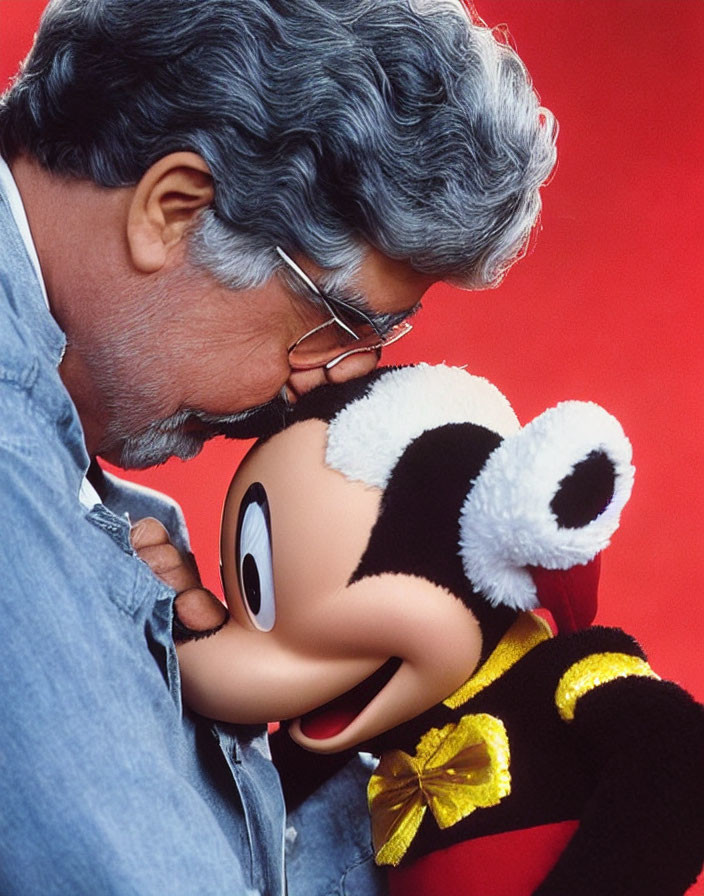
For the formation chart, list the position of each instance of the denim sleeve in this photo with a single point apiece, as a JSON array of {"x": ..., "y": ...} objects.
[{"x": 93, "y": 761}]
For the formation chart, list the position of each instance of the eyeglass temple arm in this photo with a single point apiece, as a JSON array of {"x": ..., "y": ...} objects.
[{"x": 301, "y": 274}]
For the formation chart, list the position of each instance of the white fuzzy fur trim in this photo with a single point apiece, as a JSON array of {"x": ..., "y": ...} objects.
[
  {"x": 367, "y": 438},
  {"x": 506, "y": 522}
]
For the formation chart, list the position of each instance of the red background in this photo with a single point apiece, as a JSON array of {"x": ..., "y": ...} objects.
[{"x": 606, "y": 307}]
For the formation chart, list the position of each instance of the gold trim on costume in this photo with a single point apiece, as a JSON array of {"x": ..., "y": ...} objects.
[
  {"x": 526, "y": 633},
  {"x": 456, "y": 769},
  {"x": 592, "y": 671}
]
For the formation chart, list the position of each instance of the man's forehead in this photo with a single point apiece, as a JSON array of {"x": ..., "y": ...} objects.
[
  {"x": 390, "y": 285},
  {"x": 378, "y": 286}
]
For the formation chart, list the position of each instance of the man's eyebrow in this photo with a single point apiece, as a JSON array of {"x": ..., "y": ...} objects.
[{"x": 351, "y": 306}]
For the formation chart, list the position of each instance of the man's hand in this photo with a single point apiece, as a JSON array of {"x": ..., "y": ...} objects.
[{"x": 197, "y": 612}]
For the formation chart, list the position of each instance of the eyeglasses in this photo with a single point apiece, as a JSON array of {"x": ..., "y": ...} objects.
[{"x": 334, "y": 340}]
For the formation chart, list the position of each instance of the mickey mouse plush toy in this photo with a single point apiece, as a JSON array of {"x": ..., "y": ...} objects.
[{"x": 381, "y": 556}]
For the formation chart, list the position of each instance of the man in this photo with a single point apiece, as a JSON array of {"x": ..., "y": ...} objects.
[{"x": 206, "y": 210}]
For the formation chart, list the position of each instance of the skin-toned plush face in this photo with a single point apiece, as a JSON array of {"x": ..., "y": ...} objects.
[{"x": 300, "y": 634}]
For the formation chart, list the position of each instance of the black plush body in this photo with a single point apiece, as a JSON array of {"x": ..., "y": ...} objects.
[{"x": 629, "y": 768}]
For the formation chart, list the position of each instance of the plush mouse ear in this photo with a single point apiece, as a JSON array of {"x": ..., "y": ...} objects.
[{"x": 549, "y": 496}]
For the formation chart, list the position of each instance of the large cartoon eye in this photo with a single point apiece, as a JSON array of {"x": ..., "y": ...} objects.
[
  {"x": 549, "y": 496},
  {"x": 254, "y": 559}
]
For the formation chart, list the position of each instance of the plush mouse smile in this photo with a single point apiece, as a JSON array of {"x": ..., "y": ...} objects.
[{"x": 332, "y": 718}]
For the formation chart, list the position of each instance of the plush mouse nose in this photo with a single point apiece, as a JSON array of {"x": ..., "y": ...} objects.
[{"x": 570, "y": 595}]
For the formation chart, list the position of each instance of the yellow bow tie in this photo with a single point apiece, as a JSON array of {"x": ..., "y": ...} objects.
[{"x": 456, "y": 770}]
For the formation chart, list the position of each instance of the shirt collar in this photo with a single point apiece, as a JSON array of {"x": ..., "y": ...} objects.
[
  {"x": 87, "y": 495},
  {"x": 9, "y": 187}
]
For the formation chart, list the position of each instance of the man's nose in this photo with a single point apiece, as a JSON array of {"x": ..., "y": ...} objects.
[{"x": 302, "y": 380}]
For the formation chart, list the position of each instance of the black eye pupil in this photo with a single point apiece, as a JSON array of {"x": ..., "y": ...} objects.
[
  {"x": 251, "y": 584},
  {"x": 586, "y": 492}
]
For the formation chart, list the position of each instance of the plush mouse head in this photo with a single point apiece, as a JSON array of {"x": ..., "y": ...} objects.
[{"x": 376, "y": 549}]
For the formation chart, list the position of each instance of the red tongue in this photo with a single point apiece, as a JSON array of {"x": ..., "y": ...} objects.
[
  {"x": 332, "y": 718},
  {"x": 335, "y": 716},
  {"x": 326, "y": 722},
  {"x": 569, "y": 594}
]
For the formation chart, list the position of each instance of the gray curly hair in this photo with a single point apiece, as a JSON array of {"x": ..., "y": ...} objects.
[{"x": 326, "y": 124}]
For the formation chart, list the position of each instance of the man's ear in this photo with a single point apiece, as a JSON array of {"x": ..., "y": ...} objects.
[{"x": 164, "y": 204}]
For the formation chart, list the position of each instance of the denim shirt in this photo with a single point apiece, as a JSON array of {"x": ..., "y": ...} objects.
[{"x": 108, "y": 785}]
